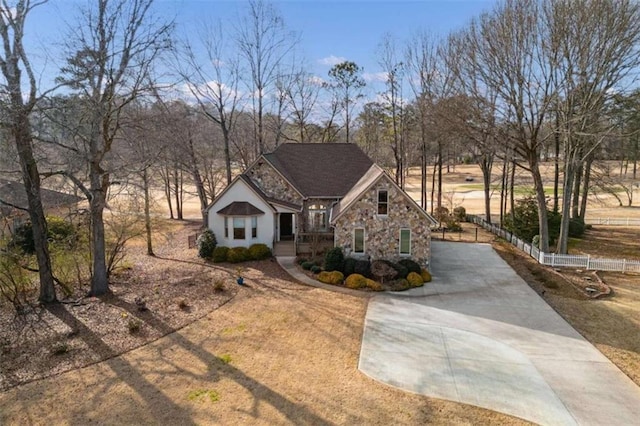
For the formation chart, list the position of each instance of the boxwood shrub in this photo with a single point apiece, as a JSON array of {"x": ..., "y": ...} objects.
[
  {"x": 238, "y": 254},
  {"x": 220, "y": 254},
  {"x": 332, "y": 277},
  {"x": 259, "y": 252}
]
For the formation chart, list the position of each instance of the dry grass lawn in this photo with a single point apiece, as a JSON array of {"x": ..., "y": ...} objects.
[{"x": 277, "y": 353}]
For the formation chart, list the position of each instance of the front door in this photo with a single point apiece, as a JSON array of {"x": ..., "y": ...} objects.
[{"x": 286, "y": 226}]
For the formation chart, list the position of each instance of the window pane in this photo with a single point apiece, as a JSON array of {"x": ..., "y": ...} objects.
[
  {"x": 383, "y": 201},
  {"x": 226, "y": 227},
  {"x": 358, "y": 241},
  {"x": 317, "y": 217},
  {"x": 238, "y": 228},
  {"x": 254, "y": 227},
  {"x": 405, "y": 241}
]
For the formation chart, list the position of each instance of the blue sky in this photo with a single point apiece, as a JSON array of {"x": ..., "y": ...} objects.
[
  {"x": 352, "y": 30},
  {"x": 328, "y": 29}
]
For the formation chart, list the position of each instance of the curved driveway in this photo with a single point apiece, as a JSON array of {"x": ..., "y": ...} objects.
[{"x": 478, "y": 334}]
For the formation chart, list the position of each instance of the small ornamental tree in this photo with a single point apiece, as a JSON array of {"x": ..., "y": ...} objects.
[
  {"x": 206, "y": 244},
  {"x": 334, "y": 260}
]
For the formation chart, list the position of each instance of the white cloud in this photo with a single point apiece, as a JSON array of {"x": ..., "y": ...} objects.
[
  {"x": 331, "y": 60},
  {"x": 218, "y": 63},
  {"x": 318, "y": 81},
  {"x": 376, "y": 76}
]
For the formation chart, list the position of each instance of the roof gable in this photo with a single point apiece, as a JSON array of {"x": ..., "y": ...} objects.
[
  {"x": 368, "y": 180},
  {"x": 240, "y": 208},
  {"x": 320, "y": 169},
  {"x": 253, "y": 187}
]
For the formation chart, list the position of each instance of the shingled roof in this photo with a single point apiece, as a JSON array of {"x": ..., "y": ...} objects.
[
  {"x": 240, "y": 208},
  {"x": 14, "y": 195},
  {"x": 320, "y": 169}
]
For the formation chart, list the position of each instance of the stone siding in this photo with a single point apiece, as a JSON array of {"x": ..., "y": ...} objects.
[
  {"x": 272, "y": 183},
  {"x": 382, "y": 233}
]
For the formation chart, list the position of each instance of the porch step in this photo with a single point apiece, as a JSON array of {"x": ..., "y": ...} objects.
[{"x": 284, "y": 248}]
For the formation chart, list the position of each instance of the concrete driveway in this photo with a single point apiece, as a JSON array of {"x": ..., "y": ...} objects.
[{"x": 478, "y": 334}]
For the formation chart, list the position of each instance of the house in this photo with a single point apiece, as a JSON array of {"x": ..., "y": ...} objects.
[
  {"x": 14, "y": 204},
  {"x": 304, "y": 195}
]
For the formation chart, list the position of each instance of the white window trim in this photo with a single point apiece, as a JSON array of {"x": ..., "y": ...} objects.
[
  {"x": 321, "y": 210},
  {"x": 400, "y": 242},
  {"x": 378, "y": 202},
  {"x": 254, "y": 219},
  {"x": 364, "y": 241},
  {"x": 244, "y": 222}
]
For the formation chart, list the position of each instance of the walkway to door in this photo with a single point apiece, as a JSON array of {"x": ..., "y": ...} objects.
[{"x": 478, "y": 334}]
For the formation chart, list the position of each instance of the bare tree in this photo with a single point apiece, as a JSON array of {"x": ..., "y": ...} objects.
[
  {"x": 16, "y": 107},
  {"x": 394, "y": 69},
  {"x": 264, "y": 43},
  {"x": 421, "y": 65},
  {"x": 213, "y": 79},
  {"x": 431, "y": 80},
  {"x": 505, "y": 53},
  {"x": 303, "y": 94},
  {"x": 479, "y": 112},
  {"x": 112, "y": 52},
  {"x": 593, "y": 46}
]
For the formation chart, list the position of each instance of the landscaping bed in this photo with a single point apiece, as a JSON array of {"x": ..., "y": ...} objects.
[{"x": 362, "y": 274}]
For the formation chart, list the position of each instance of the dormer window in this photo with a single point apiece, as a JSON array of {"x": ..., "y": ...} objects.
[{"x": 383, "y": 202}]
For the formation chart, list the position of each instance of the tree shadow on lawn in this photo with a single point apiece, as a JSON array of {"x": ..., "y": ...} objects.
[
  {"x": 157, "y": 403},
  {"x": 218, "y": 369},
  {"x": 162, "y": 408}
]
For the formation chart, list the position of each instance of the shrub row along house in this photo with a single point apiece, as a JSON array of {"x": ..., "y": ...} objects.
[{"x": 304, "y": 196}]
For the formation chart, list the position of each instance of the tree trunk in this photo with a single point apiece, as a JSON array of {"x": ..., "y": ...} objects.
[
  {"x": 31, "y": 179},
  {"x": 486, "y": 164},
  {"x": 503, "y": 190},
  {"x": 347, "y": 119},
  {"x": 197, "y": 180},
  {"x": 166, "y": 181},
  {"x": 147, "y": 211},
  {"x": 439, "y": 175},
  {"x": 227, "y": 154},
  {"x": 433, "y": 185},
  {"x": 635, "y": 159},
  {"x": 585, "y": 186},
  {"x": 575, "y": 200},
  {"x": 542, "y": 202},
  {"x": 177, "y": 188},
  {"x": 556, "y": 165},
  {"x": 423, "y": 174},
  {"x": 97, "y": 201},
  {"x": 512, "y": 184},
  {"x": 569, "y": 176}
]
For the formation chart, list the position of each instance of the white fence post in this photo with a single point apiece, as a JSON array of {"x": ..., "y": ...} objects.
[
  {"x": 588, "y": 262},
  {"x": 624, "y": 265},
  {"x": 553, "y": 260}
]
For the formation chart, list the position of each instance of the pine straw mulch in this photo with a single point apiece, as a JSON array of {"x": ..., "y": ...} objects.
[{"x": 172, "y": 289}]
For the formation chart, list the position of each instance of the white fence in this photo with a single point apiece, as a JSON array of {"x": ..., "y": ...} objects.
[
  {"x": 560, "y": 260},
  {"x": 613, "y": 221}
]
